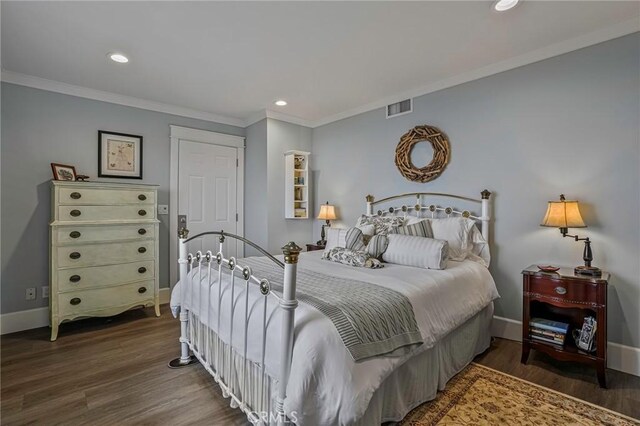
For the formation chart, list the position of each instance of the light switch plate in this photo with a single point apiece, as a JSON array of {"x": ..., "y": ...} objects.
[{"x": 163, "y": 209}]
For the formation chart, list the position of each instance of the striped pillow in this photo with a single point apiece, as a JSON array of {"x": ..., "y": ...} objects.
[
  {"x": 377, "y": 245},
  {"x": 349, "y": 238},
  {"x": 418, "y": 229}
]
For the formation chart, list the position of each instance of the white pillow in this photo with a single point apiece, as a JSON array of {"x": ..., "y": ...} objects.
[
  {"x": 457, "y": 231},
  {"x": 480, "y": 247},
  {"x": 420, "y": 252},
  {"x": 349, "y": 238},
  {"x": 368, "y": 231}
]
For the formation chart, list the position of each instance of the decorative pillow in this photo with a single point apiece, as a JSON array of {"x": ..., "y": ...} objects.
[
  {"x": 350, "y": 238},
  {"x": 382, "y": 224},
  {"x": 480, "y": 247},
  {"x": 420, "y": 252},
  {"x": 377, "y": 245},
  {"x": 417, "y": 229},
  {"x": 352, "y": 258},
  {"x": 457, "y": 231},
  {"x": 368, "y": 231}
]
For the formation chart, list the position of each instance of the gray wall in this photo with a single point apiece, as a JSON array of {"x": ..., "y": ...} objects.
[
  {"x": 267, "y": 141},
  {"x": 255, "y": 191},
  {"x": 41, "y": 127},
  {"x": 564, "y": 125},
  {"x": 283, "y": 137}
]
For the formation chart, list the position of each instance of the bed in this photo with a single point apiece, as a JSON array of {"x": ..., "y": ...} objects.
[{"x": 282, "y": 361}]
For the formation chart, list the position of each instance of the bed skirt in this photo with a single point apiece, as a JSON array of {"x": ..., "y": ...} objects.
[{"x": 416, "y": 381}]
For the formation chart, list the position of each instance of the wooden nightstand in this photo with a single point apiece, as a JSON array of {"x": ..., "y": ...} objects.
[
  {"x": 314, "y": 247},
  {"x": 569, "y": 298}
]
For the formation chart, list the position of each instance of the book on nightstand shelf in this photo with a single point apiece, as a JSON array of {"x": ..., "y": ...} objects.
[{"x": 548, "y": 331}]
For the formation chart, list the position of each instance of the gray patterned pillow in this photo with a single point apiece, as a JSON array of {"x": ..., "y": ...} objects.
[
  {"x": 418, "y": 229},
  {"x": 352, "y": 258},
  {"x": 383, "y": 224},
  {"x": 377, "y": 245}
]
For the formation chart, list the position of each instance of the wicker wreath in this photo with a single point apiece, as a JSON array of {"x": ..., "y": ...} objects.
[{"x": 441, "y": 153}]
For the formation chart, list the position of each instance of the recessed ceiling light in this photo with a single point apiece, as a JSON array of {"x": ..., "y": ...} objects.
[
  {"x": 281, "y": 103},
  {"x": 503, "y": 5},
  {"x": 119, "y": 58}
]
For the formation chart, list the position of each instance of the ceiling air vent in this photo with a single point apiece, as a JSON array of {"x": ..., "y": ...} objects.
[{"x": 400, "y": 108}]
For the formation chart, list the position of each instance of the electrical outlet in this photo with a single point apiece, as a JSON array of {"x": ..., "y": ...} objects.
[
  {"x": 163, "y": 209},
  {"x": 45, "y": 292},
  {"x": 31, "y": 293}
]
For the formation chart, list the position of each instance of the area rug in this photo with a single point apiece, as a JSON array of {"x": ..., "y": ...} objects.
[{"x": 482, "y": 396}]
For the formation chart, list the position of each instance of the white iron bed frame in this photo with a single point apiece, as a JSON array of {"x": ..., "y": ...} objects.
[{"x": 250, "y": 391}]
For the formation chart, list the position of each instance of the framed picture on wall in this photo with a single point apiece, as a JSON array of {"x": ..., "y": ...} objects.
[
  {"x": 119, "y": 155},
  {"x": 63, "y": 172}
]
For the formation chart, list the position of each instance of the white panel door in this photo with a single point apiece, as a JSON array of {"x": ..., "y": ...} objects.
[{"x": 207, "y": 176}]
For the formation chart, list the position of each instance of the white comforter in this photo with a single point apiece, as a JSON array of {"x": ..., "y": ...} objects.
[{"x": 326, "y": 386}]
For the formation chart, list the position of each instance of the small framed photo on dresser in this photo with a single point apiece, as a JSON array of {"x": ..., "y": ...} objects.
[
  {"x": 63, "y": 172},
  {"x": 119, "y": 155}
]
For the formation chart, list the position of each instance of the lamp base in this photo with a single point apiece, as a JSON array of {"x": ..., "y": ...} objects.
[{"x": 591, "y": 271}]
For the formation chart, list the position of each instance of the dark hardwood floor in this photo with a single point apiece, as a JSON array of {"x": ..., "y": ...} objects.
[{"x": 113, "y": 371}]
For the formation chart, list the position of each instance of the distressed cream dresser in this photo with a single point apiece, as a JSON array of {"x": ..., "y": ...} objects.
[{"x": 103, "y": 249}]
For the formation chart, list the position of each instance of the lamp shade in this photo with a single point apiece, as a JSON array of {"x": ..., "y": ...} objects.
[
  {"x": 563, "y": 214},
  {"x": 327, "y": 212}
]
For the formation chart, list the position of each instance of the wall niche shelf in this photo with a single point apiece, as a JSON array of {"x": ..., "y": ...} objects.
[{"x": 296, "y": 185}]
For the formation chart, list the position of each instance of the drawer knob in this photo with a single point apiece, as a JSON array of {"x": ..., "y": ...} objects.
[
  {"x": 142, "y": 197},
  {"x": 74, "y": 278},
  {"x": 75, "y": 213},
  {"x": 142, "y": 212},
  {"x": 561, "y": 290},
  {"x": 75, "y": 301},
  {"x": 75, "y": 234},
  {"x": 75, "y": 255},
  {"x": 142, "y": 269},
  {"x": 142, "y": 290},
  {"x": 75, "y": 195},
  {"x": 141, "y": 250},
  {"x": 142, "y": 231}
]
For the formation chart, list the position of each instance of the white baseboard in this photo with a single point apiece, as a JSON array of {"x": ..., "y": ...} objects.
[
  {"x": 39, "y": 317},
  {"x": 619, "y": 357}
]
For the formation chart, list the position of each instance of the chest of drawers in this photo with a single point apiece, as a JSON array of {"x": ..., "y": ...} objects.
[{"x": 103, "y": 250}]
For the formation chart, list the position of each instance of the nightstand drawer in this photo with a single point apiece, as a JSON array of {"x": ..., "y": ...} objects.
[{"x": 566, "y": 290}]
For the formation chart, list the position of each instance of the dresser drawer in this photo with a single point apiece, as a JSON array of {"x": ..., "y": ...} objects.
[
  {"x": 85, "y": 302},
  {"x": 104, "y": 254},
  {"x": 99, "y": 213},
  {"x": 104, "y": 233},
  {"x": 564, "y": 289},
  {"x": 97, "y": 196},
  {"x": 101, "y": 276}
]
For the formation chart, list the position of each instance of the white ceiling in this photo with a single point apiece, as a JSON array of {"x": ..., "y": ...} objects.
[{"x": 327, "y": 59}]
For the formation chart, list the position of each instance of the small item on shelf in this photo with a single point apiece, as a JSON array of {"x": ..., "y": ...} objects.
[
  {"x": 63, "y": 172},
  {"x": 548, "y": 268},
  {"x": 82, "y": 178},
  {"x": 300, "y": 212},
  {"x": 585, "y": 338}
]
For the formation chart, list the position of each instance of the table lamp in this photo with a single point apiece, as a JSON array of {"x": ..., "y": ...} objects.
[
  {"x": 327, "y": 213},
  {"x": 565, "y": 214}
]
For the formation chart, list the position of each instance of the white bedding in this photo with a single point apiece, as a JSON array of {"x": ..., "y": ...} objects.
[{"x": 326, "y": 386}]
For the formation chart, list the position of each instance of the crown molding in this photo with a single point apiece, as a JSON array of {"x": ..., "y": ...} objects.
[
  {"x": 114, "y": 98},
  {"x": 276, "y": 115},
  {"x": 556, "y": 49}
]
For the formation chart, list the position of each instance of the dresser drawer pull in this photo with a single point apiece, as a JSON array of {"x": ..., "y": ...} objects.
[
  {"x": 561, "y": 290},
  {"x": 141, "y": 250},
  {"x": 75, "y": 195},
  {"x": 75, "y": 213},
  {"x": 142, "y": 290},
  {"x": 74, "y": 278},
  {"x": 142, "y": 197},
  {"x": 142, "y": 212},
  {"x": 75, "y": 255},
  {"x": 75, "y": 301},
  {"x": 142, "y": 269},
  {"x": 75, "y": 234},
  {"x": 142, "y": 231}
]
